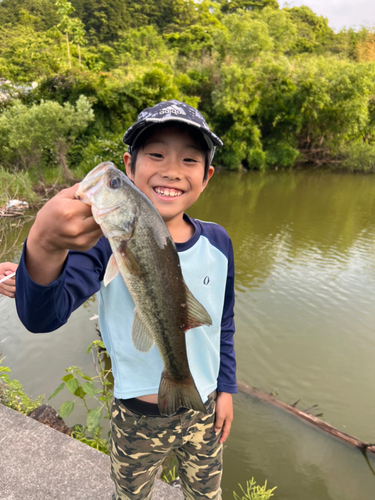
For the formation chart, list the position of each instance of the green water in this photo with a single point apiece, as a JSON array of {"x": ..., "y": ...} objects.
[{"x": 304, "y": 246}]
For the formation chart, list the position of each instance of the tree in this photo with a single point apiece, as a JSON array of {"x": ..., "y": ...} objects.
[
  {"x": 27, "y": 132},
  {"x": 27, "y": 55},
  {"x": 78, "y": 34},
  {"x": 313, "y": 31},
  {"x": 103, "y": 19},
  {"x": 64, "y": 8},
  {"x": 234, "y": 5},
  {"x": 39, "y": 13},
  {"x": 365, "y": 49}
]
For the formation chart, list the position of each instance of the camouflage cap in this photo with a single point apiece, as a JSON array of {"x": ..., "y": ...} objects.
[{"x": 171, "y": 111}]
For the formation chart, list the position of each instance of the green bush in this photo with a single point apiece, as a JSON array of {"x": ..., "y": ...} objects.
[
  {"x": 106, "y": 147},
  {"x": 358, "y": 157},
  {"x": 12, "y": 393},
  {"x": 28, "y": 133},
  {"x": 16, "y": 185}
]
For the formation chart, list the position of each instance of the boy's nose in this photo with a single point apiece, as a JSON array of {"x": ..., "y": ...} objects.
[{"x": 171, "y": 171}]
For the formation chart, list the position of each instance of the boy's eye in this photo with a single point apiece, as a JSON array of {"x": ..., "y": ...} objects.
[
  {"x": 190, "y": 160},
  {"x": 156, "y": 155}
]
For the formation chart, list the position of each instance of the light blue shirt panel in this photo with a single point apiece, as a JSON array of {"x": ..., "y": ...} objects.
[
  {"x": 204, "y": 268},
  {"x": 135, "y": 373}
]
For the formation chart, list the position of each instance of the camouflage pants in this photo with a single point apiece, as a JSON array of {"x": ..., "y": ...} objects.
[{"x": 139, "y": 444}]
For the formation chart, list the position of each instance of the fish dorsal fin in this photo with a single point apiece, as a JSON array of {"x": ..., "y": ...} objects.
[
  {"x": 196, "y": 313},
  {"x": 141, "y": 337},
  {"x": 112, "y": 270}
]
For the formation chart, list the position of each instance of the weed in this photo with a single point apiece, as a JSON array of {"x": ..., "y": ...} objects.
[
  {"x": 254, "y": 492},
  {"x": 12, "y": 393}
]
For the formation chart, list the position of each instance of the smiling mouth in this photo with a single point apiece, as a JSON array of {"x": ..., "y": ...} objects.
[{"x": 168, "y": 192}]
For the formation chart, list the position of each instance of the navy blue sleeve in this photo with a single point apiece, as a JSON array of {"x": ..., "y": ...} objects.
[
  {"x": 227, "y": 381},
  {"x": 46, "y": 308}
]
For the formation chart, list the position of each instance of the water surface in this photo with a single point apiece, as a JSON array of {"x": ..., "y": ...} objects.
[{"x": 304, "y": 245}]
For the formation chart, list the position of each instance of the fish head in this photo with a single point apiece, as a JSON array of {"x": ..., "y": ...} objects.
[{"x": 110, "y": 194}]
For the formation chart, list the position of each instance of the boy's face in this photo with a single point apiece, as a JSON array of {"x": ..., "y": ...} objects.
[{"x": 170, "y": 171}]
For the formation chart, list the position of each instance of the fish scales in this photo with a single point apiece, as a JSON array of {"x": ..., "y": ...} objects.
[
  {"x": 162, "y": 312},
  {"x": 146, "y": 257}
]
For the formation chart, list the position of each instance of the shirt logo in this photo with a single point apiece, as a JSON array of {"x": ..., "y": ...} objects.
[{"x": 206, "y": 280}]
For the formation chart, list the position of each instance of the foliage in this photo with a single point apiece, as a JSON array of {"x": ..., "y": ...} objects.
[
  {"x": 358, "y": 157},
  {"x": 365, "y": 49},
  {"x": 12, "y": 393},
  {"x": 169, "y": 471},
  {"x": 234, "y": 5},
  {"x": 82, "y": 386},
  {"x": 96, "y": 439},
  {"x": 70, "y": 26},
  {"x": 15, "y": 186},
  {"x": 313, "y": 31},
  {"x": 168, "y": 475},
  {"x": 27, "y": 55},
  {"x": 279, "y": 86},
  {"x": 38, "y": 13},
  {"x": 27, "y": 133},
  {"x": 108, "y": 147},
  {"x": 254, "y": 491}
]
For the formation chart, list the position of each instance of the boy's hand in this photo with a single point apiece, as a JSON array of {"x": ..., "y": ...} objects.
[
  {"x": 224, "y": 414},
  {"x": 8, "y": 287},
  {"x": 64, "y": 223}
]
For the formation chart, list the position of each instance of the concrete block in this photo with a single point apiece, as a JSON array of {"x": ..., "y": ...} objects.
[{"x": 40, "y": 463}]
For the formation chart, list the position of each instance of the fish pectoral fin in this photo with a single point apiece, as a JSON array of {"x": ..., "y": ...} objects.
[
  {"x": 196, "y": 313},
  {"x": 141, "y": 337},
  {"x": 112, "y": 270},
  {"x": 131, "y": 262}
]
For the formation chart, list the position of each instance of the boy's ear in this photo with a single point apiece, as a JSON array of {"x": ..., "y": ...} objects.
[
  {"x": 210, "y": 173},
  {"x": 127, "y": 163}
]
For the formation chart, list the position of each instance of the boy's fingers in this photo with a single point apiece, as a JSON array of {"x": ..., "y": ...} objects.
[
  {"x": 8, "y": 289},
  {"x": 69, "y": 192},
  {"x": 225, "y": 431},
  {"x": 219, "y": 422},
  {"x": 8, "y": 284}
]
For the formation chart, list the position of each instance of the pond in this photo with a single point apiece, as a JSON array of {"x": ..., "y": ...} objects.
[{"x": 304, "y": 244}]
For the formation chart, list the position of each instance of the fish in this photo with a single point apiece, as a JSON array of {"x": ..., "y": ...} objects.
[{"x": 144, "y": 254}]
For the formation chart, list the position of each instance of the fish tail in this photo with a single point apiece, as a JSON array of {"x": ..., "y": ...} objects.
[{"x": 176, "y": 394}]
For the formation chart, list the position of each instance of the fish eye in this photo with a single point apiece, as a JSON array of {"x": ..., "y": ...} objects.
[{"x": 115, "y": 183}]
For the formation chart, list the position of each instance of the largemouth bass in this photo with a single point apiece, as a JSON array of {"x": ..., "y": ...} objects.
[{"x": 146, "y": 257}]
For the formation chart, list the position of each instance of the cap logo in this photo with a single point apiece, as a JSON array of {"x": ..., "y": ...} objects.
[{"x": 173, "y": 109}]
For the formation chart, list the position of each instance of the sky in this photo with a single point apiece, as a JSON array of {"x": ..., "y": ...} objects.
[{"x": 340, "y": 13}]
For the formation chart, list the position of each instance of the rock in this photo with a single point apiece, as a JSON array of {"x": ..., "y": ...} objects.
[{"x": 46, "y": 415}]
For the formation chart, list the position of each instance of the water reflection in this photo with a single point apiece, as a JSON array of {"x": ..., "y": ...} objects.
[
  {"x": 304, "y": 251},
  {"x": 304, "y": 245},
  {"x": 292, "y": 217}
]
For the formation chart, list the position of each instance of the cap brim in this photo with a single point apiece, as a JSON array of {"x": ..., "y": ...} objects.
[{"x": 132, "y": 134}]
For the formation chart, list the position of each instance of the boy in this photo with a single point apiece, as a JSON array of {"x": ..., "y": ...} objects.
[{"x": 64, "y": 261}]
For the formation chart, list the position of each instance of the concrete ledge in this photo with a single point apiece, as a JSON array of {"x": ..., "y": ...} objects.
[{"x": 40, "y": 463}]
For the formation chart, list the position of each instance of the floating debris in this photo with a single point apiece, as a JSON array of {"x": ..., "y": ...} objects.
[
  {"x": 16, "y": 205},
  {"x": 13, "y": 208}
]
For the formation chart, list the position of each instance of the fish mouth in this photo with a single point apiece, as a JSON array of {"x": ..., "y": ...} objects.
[
  {"x": 100, "y": 212},
  {"x": 167, "y": 192},
  {"x": 93, "y": 182}
]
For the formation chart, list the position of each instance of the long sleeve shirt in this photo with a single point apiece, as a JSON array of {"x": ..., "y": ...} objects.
[{"x": 208, "y": 269}]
